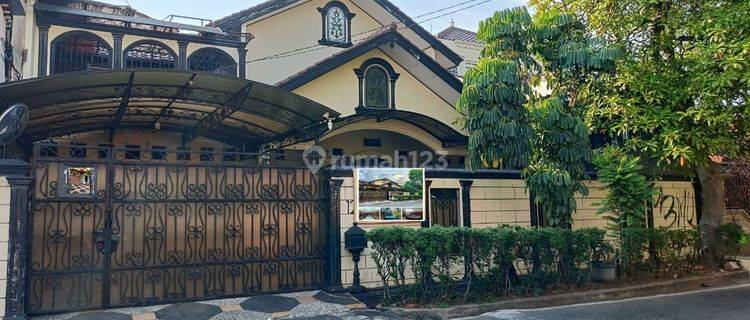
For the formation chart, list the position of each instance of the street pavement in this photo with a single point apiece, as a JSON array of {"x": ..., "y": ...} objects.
[
  {"x": 409, "y": 204},
  {"x": 729, "y": 303}
]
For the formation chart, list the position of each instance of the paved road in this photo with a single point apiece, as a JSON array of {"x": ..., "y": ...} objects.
[
  {"x": 732, "y": 303},
  {"x": 410, "y": 204}
]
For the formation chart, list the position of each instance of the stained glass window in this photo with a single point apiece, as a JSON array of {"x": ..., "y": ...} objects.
[
  {"x": 376, "y": 87},
  {"x": 336, "y": 25}
]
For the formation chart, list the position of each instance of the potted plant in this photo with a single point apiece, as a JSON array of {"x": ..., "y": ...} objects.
[{"x": 604, "y": 263}]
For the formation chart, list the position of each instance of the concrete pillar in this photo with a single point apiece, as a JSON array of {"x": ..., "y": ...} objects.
[
  {"x": 15, "y": 184},
  {"x": 333, "y": 260},
  {"x": 43, "y": 42},
  {"x": 466, "y": 201},
  {"x": 117, "y": 54},
  {"x": 182, "y": 55},
  {"x": 242, "y": 63}
]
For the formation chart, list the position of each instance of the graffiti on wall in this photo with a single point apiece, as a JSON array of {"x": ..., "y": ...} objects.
[{"x": 675, "y": 210}]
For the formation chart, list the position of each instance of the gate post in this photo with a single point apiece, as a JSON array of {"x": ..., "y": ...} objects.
[
  {"x": 14, "y": 210},
  {"x": 333, "y": 243}
]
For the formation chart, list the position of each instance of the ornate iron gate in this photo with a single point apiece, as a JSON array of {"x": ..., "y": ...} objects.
[{"x": 123, "y": 227}]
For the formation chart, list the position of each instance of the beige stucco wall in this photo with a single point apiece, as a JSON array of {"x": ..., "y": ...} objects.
[
  {"x": 469, "y": 51},
  {"x": 493, "y": 202},
  {"x": 496, "y": 202},
  {"x": 679, "y": 193},
  {"x": 4, "y": 232},
  {"x": 294, "y": 28},
  {"x": 339, "y": 90}
]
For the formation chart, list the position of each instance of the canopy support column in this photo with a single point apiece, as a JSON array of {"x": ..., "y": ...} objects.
[{"x": 123, "y": 106}]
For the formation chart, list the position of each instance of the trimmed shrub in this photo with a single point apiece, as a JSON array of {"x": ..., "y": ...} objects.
[
  {"x": 658, "y": 252},
  {"x": 733, "y": 238},
  {"x": 470, "y": 264}
]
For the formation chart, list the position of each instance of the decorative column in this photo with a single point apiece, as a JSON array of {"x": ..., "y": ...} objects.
[
  {"x": 361, "y": 81},
  {"x": 16, "y": 172},
  {"x": 427, "y": 212},
  {"x": 333, "y": 257},
  {"x": 466, "y": 201},
  {"x": 182, "y": 55},
  {"x": 242, "y": 62},
  {"x": 43, "y": 44},
  {"x": 393, "y": 91},
  {"x": 117, "y": 56}
]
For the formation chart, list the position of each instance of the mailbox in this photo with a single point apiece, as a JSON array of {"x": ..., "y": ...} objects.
[{"x": 355, "y": 239}]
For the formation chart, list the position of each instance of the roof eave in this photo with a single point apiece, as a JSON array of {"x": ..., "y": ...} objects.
[{"x": 315, "y": 72}]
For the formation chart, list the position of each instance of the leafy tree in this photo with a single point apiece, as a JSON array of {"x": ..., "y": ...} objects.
[
  {"x": 679, "y": 97},
  {"x": 545, "y": 133},
  {"x": 496, "y": 91},
  {"x": 414, "y": 185},
  {"x": 629, "y": 193}
]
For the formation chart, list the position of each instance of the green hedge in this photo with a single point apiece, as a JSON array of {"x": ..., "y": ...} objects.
[
  {"x": 473, "y": 264},
  {"x": 658, "y": 252}
]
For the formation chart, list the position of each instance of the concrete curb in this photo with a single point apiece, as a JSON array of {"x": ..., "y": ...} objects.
[{"x": 643, "y": 290}]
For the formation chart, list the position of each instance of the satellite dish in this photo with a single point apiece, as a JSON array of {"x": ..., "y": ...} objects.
[{"x": 12, "y": 123}]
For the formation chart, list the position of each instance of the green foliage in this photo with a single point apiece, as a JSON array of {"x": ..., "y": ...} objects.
[
  {"x": 658, "y": 252},
  {"x": 733, "y": 238},
  {"x": 496, "y": 91},
  {"x": 629, "y": 195},
  {"x": 392, "y": 250},
  {"x": 554, "y": 191},
  {"x": 681, "y": 92},
  {"x": 440, "y": 257},
  {"x": 560, "y": 153},
  {"x": 414, "y": 185},
  {"x": 563, "y": 137},
  {"x": 511, "y": 124}
]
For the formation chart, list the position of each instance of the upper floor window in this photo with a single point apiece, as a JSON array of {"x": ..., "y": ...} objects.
[
  {"x": 212, "y": 60},
  {"x": 150, "y": 55},
  {"x": 377, "y": 84},
  {"x": 79, "y": 51},
  {"x": 337, "y": 23}
]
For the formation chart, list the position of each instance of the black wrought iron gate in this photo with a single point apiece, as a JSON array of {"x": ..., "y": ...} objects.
[{"x": 124, "y": 227}]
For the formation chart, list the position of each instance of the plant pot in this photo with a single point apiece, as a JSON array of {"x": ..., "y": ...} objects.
[{"x": 604, "y": 271}]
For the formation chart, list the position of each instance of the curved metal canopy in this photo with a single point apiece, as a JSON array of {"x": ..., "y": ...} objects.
[{"x": 228, "y": 109}]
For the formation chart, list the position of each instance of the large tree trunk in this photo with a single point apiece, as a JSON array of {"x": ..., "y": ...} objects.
[{"x": 712, "y": 212}]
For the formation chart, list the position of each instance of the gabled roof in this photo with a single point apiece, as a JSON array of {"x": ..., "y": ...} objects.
[
  {"x": 233, "y": 22},
  {"x": 385, "y": 36},
  {"x": 453, "y": 33}
]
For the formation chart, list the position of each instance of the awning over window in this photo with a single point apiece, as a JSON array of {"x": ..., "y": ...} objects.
[
  {"x": 235, "y": 111},
  {"x": 448, "y": 136}
]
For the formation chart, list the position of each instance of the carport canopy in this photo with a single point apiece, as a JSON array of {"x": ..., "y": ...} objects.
[{"x": 231, "y": 110}]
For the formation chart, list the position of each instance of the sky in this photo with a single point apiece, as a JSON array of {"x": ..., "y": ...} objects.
[{"x": 215, "y": 9}]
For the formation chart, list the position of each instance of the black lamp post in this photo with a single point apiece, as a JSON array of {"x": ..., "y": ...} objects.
[{"x": 355, "y": 240}]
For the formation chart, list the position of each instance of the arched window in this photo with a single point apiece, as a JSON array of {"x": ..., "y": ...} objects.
[
  {"x": 377, "y": 84},
  {"x": 212, "y": 60},
  {"x": 149, "y": 55},
  {"x": 79, "y": 51},
  {"x": 376, "y": 87},
  {"x": 337, "y": 23}
]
